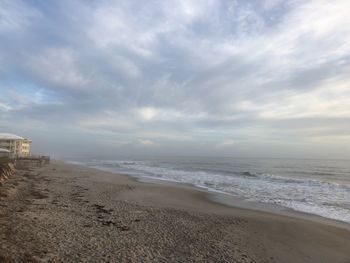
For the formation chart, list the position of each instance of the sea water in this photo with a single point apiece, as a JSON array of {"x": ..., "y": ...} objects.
[{"x": 320, "y": 187}]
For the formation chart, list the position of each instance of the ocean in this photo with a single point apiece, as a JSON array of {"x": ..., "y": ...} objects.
[{"x": 320, "y": 187}]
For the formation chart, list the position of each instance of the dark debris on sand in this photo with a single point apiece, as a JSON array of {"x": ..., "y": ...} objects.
[{"x": 68, "y": 219}]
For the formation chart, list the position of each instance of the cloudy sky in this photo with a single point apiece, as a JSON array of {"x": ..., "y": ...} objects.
[{"x": 179, "y": 77}]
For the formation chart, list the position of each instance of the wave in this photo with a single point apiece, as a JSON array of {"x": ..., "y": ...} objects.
[
  {"x": 311, "y": 195},
  {"x": 249, "y": 174}
]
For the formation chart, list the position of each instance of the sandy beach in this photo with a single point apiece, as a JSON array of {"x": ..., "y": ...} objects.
[{"x": 68, "y": 213}]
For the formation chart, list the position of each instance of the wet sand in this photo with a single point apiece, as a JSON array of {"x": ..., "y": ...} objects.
[{"x": 68, "y": 213}]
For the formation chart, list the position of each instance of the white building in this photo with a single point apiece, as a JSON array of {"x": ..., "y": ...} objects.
[{"x": 16, "y": 145}]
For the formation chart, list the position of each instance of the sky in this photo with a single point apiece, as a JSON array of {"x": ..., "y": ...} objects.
[{"x": 241, "y": 78}]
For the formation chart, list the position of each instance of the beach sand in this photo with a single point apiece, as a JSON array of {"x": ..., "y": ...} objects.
[{"x": 68, "y": 213}]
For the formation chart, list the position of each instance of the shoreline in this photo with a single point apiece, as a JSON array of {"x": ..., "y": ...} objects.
[
  {"x": 228, "y": 200},
  {"x": 65, "y": 212}
]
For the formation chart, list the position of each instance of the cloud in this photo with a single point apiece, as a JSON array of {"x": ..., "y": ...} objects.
[
  {"x": 4, "y": 107},
  {"x": 16, "y": 16},
  {"x": 147, "y": 114},
  {"x": 57, "y": 67},
  {"x": 226, "y": 143},
  {"x": 177, "y": 72},
  {"x": 147, "y": 142}
]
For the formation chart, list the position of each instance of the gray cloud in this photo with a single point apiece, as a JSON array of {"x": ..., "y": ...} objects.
[{"x": 177, "y": 76}]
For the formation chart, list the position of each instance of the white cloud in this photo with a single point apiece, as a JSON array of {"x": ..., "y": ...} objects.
[
  {"x": 147, "y": 142},
  {"x": 270, "y": 4},
  {"x": 16, "y": 16},
  {"x": 111, "y": 26},
  {"x": 179, "y": 70},
  {"x": 330, "y": 100},
  {"x": 147, "y": 113},
  {"x": 125, "y": 66},
  {"x": 58, "y": 66},
  {"x": 5, "y": 107},
  {"x": 162, "y": 114}
]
